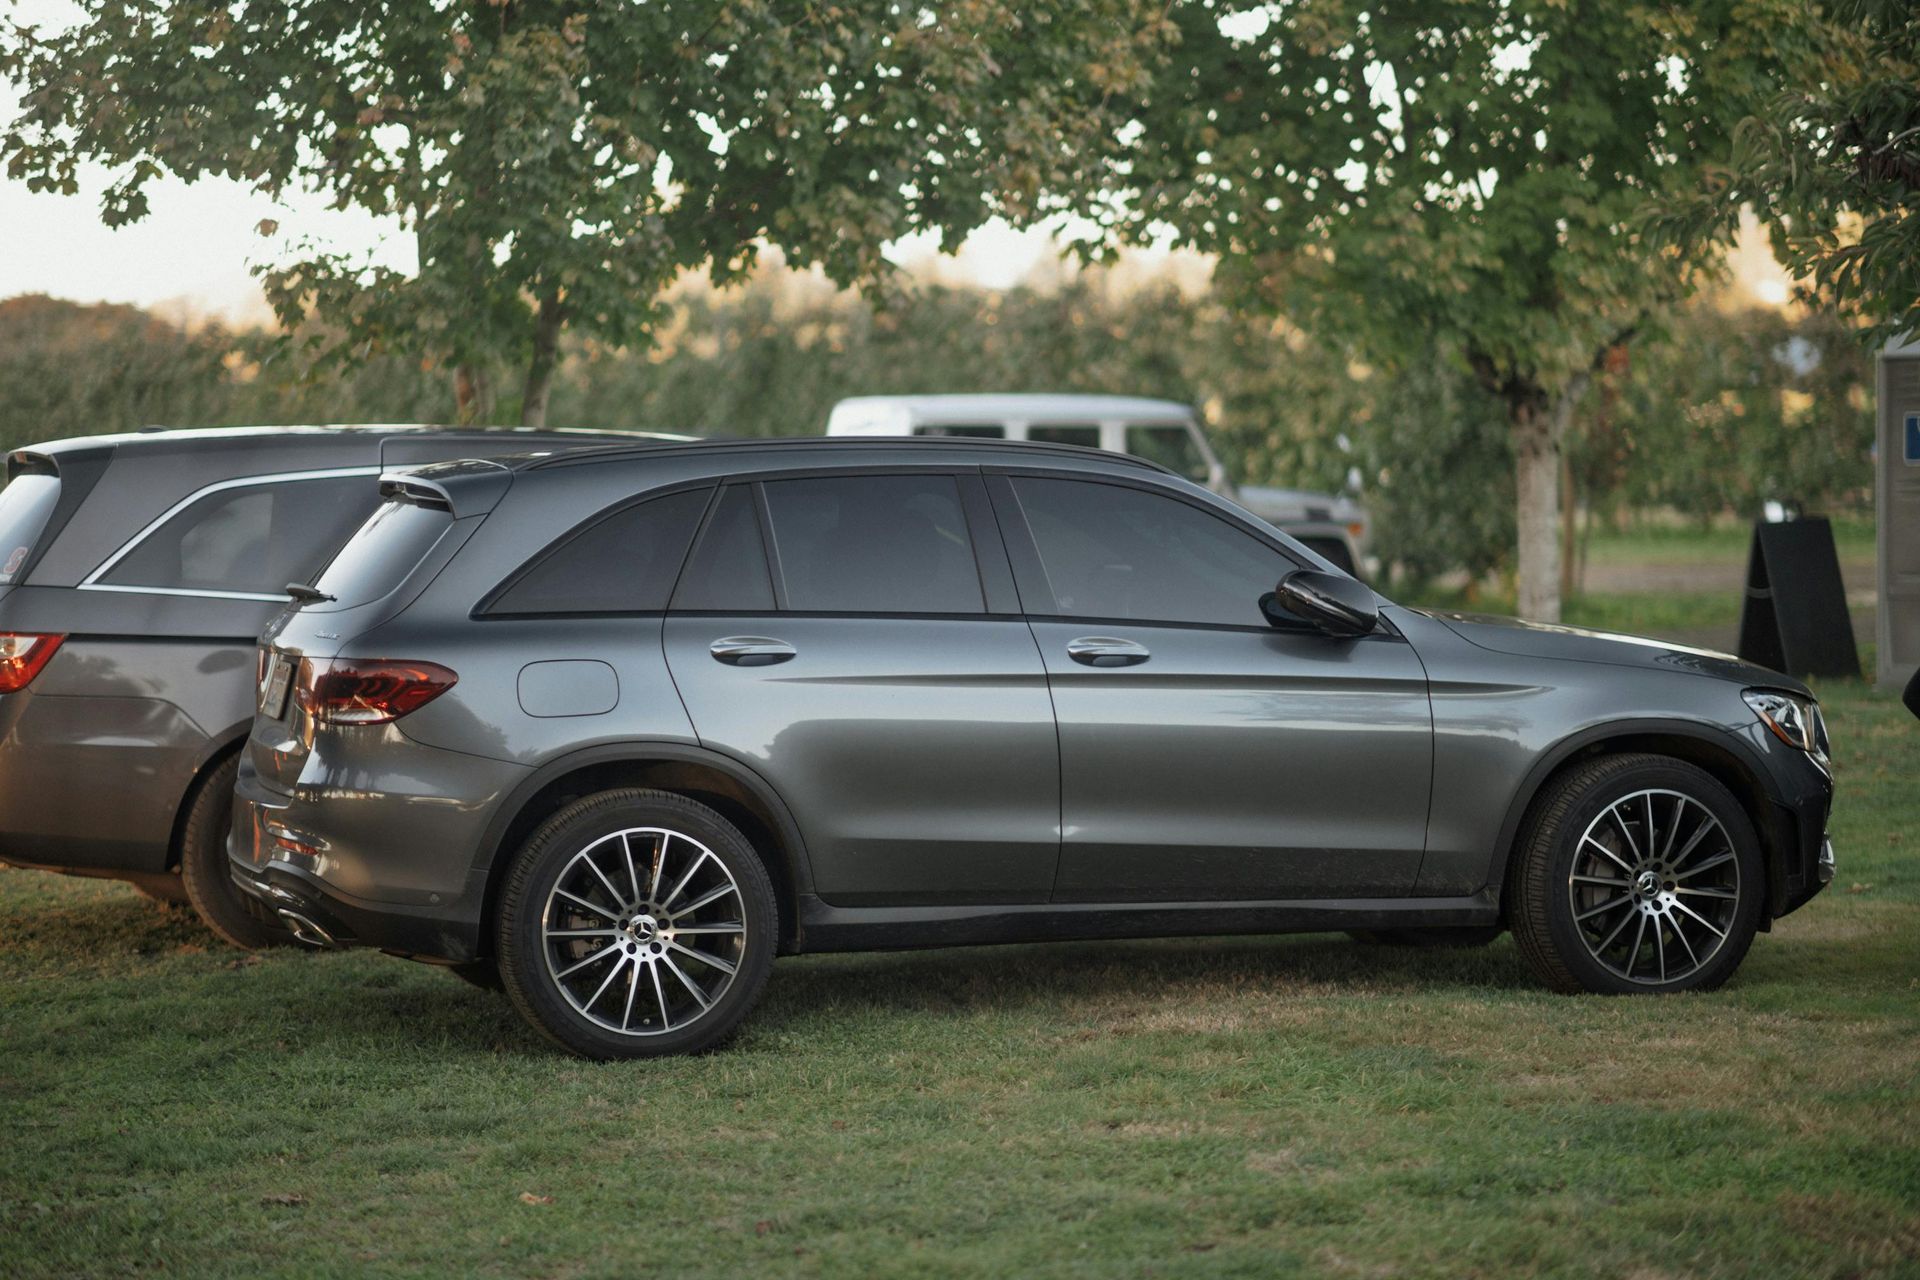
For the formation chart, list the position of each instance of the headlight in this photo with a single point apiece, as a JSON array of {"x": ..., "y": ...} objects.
[{"x": 1795, "y": 721}]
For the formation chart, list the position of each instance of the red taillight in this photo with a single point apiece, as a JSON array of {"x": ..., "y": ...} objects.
[
  {"x": 22, "y": 656},
  {"x": 369, "y": 690}
]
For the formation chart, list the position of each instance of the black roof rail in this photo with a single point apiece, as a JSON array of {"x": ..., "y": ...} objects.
[{"x": 838, "y": 444}]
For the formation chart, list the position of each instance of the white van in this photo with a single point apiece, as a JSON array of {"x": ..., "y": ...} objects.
[{"x": 1162, "y": 431}]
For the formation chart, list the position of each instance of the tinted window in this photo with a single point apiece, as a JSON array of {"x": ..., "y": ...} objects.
[
  {"x": 25, "y": 504},
  {"x": 1063, "y": 433},
  {"x": 624, "y": 564},
  {"x": 255, "y": 537},
  {"x": 1115, "y": 552},
  {"x": 992, "y": 431},
  {"x": 728, "y": 571},
  {"x": 1171, "y": 446},
  {"x": 874, "y": 544},
  {"x": 375, "y": 561}
]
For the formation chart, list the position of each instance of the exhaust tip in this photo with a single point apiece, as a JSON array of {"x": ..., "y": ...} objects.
[{"x": 305, "y": 930}]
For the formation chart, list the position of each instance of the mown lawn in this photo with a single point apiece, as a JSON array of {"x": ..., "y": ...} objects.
[{"x": 1247, "y": 1106}]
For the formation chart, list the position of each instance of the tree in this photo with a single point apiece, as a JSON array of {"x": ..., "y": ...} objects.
[
  {"x": 1441, "y": 175},
  {"x": 1829, "y": 154},
  {"x": 559, "y": 162}
]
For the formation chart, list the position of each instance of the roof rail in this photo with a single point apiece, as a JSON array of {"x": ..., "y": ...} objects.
[{"x": 838, "y": 444}]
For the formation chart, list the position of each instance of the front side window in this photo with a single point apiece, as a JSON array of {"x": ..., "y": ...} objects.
[
  {"x": 1172, "y": 446},
  {"x": 874, "y": 544},
  {"x": 625, "y": 563},
  {"x": 252, "y": 538},
  {"x": 1109, "y": 551}
]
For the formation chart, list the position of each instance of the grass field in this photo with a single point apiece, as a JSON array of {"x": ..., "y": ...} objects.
[{"x": 1240, "y": 1107}]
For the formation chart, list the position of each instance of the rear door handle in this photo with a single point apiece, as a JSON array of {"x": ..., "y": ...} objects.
[
  {"x": 1107, "y": 651},
  {"x": 750, "y": 651}
]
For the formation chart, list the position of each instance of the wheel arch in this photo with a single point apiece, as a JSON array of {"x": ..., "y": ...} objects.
[
  {"x": 214, "y": 753},
  {"x": 735, "y": 791},
  {"x": 1728, "y": 760}
]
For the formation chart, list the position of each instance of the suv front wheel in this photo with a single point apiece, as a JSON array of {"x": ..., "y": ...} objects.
[
  {"x": 1636, "y": 873},
  {"x": 636, "y": 924}
]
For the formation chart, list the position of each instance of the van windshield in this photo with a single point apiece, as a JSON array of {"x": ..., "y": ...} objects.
[
  {"x": 25, "y": 506},
  {"x": 1172, "y": 446},
  {"x": 377, "y": 559}
]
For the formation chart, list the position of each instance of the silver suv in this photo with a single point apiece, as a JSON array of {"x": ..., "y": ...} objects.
[{"x": 617, "y": 727}]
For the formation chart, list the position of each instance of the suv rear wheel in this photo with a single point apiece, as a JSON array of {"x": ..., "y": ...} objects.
[
  {"x": 203, "y": 863},
  {"x": 635, "y": 924},
  {"x": 1636, "y": 873}
]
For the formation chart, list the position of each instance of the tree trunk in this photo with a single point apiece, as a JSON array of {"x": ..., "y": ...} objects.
[
  {"x": 1569, "y": 521},
  {"x": 546, "y": 355},
  {"x": 1539, "y": 430},
  {"x": 472, "y": 395}
]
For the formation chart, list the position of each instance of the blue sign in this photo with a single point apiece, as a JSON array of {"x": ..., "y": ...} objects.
[{"x": 1913, "y": 438}]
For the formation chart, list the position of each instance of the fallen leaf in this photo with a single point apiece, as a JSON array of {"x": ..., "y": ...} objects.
[
  {"x": 527, "y": 1197},
  {"x": 284, "y": 1200}
]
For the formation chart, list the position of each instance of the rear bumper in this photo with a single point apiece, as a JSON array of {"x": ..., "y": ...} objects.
[{"x": 391, "y": 868}]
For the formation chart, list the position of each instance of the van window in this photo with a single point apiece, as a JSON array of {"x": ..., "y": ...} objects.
[
  {"x": 625, "y": 563},
  {"x": 1172, "y": 446},
  {"x": 394, "y": 539},
  {"x": 253, "y": 538},
  {"x": 1087, "y": 434},
  {"x": 973, "y": 431},
  {"x": 25, "y": 506},
  {"x": 874, "y": 544}
]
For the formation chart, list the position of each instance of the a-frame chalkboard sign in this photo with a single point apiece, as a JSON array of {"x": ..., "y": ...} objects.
[{"x": 1795, "y": 616}]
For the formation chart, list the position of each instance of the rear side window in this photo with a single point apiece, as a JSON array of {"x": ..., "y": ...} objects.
[
  {"x": 874, "y": 544},
  {"x": 25, "y": 506},
  {"x": 395, "y": 538},
  {"x": 254, "y": 538},
  {"x": 728, "y": 572},
  {"x": 626, "y": 563},
  {"x": 1172, "y": 446}
]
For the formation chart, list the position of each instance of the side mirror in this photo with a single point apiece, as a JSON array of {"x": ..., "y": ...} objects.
[{"x": 1334, "y": 603}]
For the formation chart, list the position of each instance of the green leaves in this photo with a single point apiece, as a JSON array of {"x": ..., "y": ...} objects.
[{"x": 582, "y": 152}]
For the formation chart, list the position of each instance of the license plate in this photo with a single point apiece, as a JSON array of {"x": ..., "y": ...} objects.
[{"x": 273, "y": 696}]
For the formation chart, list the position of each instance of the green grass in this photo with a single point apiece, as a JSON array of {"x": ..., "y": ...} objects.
[
  {"x": 1245, "y": 1107},
  {"x": 1672, "y": 541}
]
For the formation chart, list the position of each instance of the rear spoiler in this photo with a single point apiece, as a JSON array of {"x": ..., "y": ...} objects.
[{"x": 470, "y": 487}]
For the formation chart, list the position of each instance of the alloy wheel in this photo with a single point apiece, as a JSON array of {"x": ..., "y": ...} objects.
[
  {"x": 1655, "y": 886},
  {"x": 643, "y": 931}
]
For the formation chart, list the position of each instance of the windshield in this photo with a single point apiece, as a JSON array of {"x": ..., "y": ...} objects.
[
  {"x": 380, "y": 556},
  {"x": 25, "y": 504}
]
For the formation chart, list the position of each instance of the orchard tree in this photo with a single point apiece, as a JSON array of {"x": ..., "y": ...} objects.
[
  {"x": 558, "y": 163},
  {"x": 1417, "y": 176},
  {"x": 1829, "y": 154}
]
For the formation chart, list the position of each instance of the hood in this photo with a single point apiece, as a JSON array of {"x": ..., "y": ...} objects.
[{"x": 1576, "y": 644}]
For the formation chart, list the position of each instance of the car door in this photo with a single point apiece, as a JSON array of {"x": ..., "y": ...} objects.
[
  {"x": 856, "y": 639},
  {"x": 1205, "y": 753}
]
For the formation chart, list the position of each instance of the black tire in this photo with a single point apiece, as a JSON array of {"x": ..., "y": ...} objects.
[
  {"x": 1442, "y": 936},
  {"x": 1553, "y": 848},
  {"x": 203, "y": 863},
  {"x": 477, "y": 973},
  {"x": 532, "y": 965}
]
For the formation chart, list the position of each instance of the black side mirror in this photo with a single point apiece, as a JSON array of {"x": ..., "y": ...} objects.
[{"x": 1334, "y": 603}]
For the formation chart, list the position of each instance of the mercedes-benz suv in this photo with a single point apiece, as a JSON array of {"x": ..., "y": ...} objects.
[{"x": 623, "y": 725}]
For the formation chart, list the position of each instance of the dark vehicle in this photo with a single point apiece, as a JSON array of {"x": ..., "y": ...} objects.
[
  {"x": 626, "y": 724},
  {"x": 136, "y": 572}
]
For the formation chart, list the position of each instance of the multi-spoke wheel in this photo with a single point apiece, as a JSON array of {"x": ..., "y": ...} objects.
[
  {"x": 636, "y": 923},
  {"x": 1635, "y": 873}
]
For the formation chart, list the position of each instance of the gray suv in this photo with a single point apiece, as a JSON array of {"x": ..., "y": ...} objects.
[
  {"x": 136, "y": 572},
  {"x": 623, "y": 725}
]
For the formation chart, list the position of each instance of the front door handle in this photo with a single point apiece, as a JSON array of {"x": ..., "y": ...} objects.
[
  {"x": 1106, "y": 651},
  {"x": 750, "y": 651}
]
